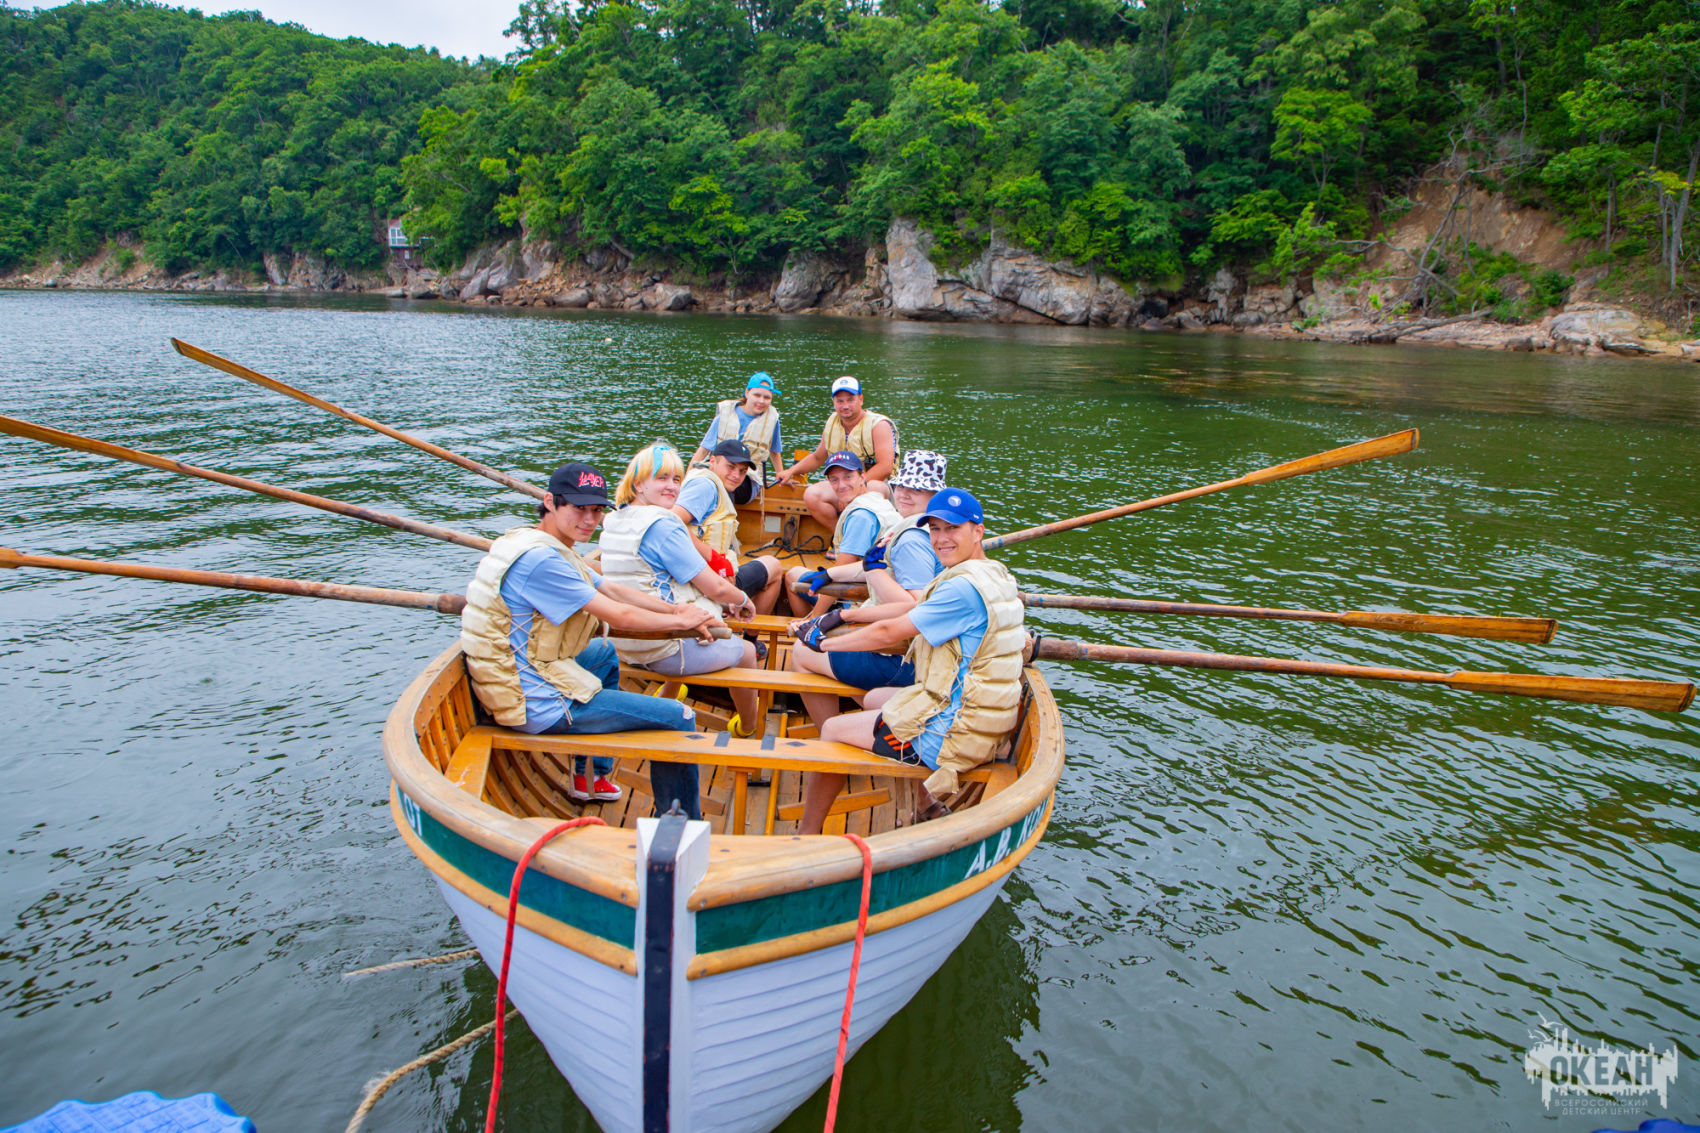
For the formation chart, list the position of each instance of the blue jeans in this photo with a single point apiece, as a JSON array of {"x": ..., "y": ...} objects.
[{"x": 612, "y": 710}]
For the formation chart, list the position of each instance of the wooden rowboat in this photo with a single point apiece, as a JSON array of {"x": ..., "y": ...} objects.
[{"x": 690, "y": 976}]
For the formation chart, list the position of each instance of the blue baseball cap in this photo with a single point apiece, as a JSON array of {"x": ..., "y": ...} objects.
[
  {"x": 954, "y": 506},
  {"x": 846, "y": 384},
  {"x": 761, "y": 380},
  {"x": 844, "y": 458}
]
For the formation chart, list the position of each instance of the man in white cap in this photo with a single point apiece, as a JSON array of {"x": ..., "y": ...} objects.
[
  {"x": 897, "y": 570},
  {"x": 968, "y": 638},
  {"x": 871, "y": 436}
]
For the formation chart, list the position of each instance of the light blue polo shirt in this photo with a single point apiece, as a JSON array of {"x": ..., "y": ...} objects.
[
  {"x": 954, "y": 610},
  {"x": 542, "y": 582},
  {"x": 698, "y": 497},
  {"x": 860, "y": 531},
  {"x": 911, "y": 558},
  {"x": 666, "y": 548}
]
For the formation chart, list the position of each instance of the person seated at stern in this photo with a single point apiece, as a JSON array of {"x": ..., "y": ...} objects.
[
  {"x": 896, "y": 570},
  {"x": 968, "y": 639},
  {"x": 752, "y": 420},
  {"x": 871, "y": 436},
  {"x": 533, "y": 612},
  {"x": 706, "y": 505},
  {"x": 646, "y": 547},
  {"x": 865, "y": 517}
]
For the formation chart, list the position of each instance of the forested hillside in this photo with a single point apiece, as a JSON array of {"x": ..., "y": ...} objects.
[
  {"x": 1153, "y": 141},
  {"x": 213, "y": 140}
]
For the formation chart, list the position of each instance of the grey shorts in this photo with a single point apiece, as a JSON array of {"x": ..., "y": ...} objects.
[{"x": 694, "y": 657}]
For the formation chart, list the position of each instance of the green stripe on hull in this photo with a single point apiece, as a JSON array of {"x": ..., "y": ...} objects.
[
  {"x": 545, "y": 895},
  {"x": 804, "y": 910}
]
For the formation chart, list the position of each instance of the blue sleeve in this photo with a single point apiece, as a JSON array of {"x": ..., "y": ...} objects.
[
  {"x": 778, "y": 445},
  {"x": 953, "y": 610},
  {"x": 913, "y": 563},
  {"x": 860, "y": 531},
  {"x": 698, "y": 497},
  {"x": 666, "y": 545},
  {"x": 544, "y": 581},
  {"x": 708, "y": 437}
]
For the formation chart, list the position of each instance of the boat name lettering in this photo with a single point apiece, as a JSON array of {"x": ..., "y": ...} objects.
[
  {"x": 1005, "y": 843},
  {"x": 411, "y": 810}
]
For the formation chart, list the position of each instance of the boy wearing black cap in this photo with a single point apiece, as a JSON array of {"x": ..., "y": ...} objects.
[
  {"x": 967, "y": 637},
  {"x": 707, "y": 504},
  {"x": 534, "y": 610}
]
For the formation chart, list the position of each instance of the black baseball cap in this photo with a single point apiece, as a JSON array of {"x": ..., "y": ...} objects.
[
  {"x": 580, "y": 485},
  {"x": 734, "y": 450}
]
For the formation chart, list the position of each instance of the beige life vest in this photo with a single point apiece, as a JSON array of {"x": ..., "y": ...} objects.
[
  {"x": 868, "y": 501},
  {"x": 486, "y": 622},
  {"x": 719, "y": 528},
  {"x": 758, "y": 434},
  {"x": 622, "y": 533},
  {"x": 991, "y": 689},
  {"x": 859, "y": 440}
]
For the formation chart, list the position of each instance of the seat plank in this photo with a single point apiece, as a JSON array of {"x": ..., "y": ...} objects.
[
  {"x": 469, "y": 766},
  {"x": 763, "y": 680},
  {"x": 720, "y": 749}
]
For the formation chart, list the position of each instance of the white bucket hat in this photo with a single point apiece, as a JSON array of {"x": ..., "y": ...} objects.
[{"x": 922, "y": 470}]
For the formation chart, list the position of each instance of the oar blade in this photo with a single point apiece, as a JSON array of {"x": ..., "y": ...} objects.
[
  {"x": 1649, "y": 696},
  {"x": 1537, "y": 630},
  {"x": 1391, "y": 445}
]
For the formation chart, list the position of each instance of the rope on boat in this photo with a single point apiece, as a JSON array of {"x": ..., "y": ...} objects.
[
  {"x": 855, "y": 967},
  {"x": 445, "y": 958},
  {"x": 508, "y": 951},
  {"x": 383, "y": 1085}
]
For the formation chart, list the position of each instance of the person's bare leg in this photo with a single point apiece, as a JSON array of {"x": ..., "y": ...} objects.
[
  {"x": 799, "y": 605},
  {"x": 768, "y": 596},
  {"x": 744, "y": 699},
  {"x": 822, "y": 503},
  {"x": 820, "y": 790},
  {"x": 821, "y": 706}
]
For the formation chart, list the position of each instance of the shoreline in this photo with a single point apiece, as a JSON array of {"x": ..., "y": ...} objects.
[{"x": 1589, "y": 329}]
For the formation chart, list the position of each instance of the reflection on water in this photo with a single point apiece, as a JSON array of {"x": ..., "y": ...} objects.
[{"x": 1262, "y": 900}]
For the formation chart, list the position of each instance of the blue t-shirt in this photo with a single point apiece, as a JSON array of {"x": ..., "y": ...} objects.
[
  {"x": 542, "y": 582},
  {"x": 954, "y": 610},
  {"x": 666, "y": 548},
  {"x": 860, "y": 530},
  {"x": 911, "y": 558},
  {"x": 699, "y": 497},
  {"x": 744, "y": 419}
]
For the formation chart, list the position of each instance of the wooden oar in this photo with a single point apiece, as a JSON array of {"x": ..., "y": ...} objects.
[
  {"x": 236, "y": 369},
  {"x": 1390, "y": 445},
  {"x": 1652, "y": 696},
  {"x": 443, "y": 603},
  {"x": 1539, "y": 630},
  {"x": 118, "y": 452}
]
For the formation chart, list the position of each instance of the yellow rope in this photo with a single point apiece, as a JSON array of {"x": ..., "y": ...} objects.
[
  {"x": 446, "y": 958},
  {"x": 396, "y": 1075}
]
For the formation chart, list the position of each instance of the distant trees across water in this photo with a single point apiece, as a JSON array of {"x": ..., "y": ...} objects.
[{"x": 1156, "y": 140}]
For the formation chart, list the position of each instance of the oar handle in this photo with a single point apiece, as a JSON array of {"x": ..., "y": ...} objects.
[
  {"x": 236, "y": 369},
  {"x": 443, "y": 603},
  {"x": 1390, "y": 445},
  {"x": 1652, "y": 696},
  {"x": 1538, "y": 630},
  {"x": 62, "y": 439}
]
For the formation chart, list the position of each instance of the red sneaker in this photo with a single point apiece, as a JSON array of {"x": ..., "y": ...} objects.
[
  {"x": 579, "y": 791},
  {"x": 604, "y": 791}
]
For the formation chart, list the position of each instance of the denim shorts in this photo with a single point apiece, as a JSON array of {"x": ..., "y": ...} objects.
[{"x": 872, "y": 670}]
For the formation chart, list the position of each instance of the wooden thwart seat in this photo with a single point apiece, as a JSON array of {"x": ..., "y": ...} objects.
[
  {"x": 470, "y": 763},
  {"x": 762, "y": 680}
]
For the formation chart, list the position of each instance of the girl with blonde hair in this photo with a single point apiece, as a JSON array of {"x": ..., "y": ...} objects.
[{"x": 646, "y": 546}]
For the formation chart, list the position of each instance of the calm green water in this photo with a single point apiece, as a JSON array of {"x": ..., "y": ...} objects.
[{"x": 1263, "y": 902}]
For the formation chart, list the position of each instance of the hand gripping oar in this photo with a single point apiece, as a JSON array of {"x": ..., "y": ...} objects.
[
  {"x": 1390, "y": 445},
  {"x": 443, "y": 603},
  {"x": 236, "y": 369},
  {"x": 1651, "y": 696},
  {"x": 1539, "y": 630},
  {"x": 118, "y": 452}
]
